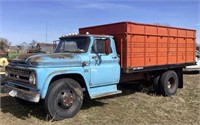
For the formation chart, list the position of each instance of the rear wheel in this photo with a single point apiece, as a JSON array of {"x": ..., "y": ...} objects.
[
  {"x": 169, "y": 83},
  {"x": 64, "y": 99},
  {"x": 156, "y": 84}
]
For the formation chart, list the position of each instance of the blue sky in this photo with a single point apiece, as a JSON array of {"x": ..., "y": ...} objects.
[{"x": 25, "y": 20}]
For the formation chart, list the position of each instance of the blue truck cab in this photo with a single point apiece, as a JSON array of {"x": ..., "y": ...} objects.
[{"x": 80, "y": 64}]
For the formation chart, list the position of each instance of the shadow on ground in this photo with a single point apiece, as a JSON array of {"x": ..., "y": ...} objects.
[
  {"x": 191, "y": 72},
  {"x": 9, "y": 104}
]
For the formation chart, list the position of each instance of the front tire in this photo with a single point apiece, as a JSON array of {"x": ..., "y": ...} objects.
[
  {"x": 64, "y": 99},
  {"x": 169, "y": 83}
]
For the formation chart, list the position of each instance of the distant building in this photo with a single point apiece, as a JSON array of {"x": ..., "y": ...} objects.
[
  {"x": 13, "y": 49},
  {"x": 24, "y": 46}
]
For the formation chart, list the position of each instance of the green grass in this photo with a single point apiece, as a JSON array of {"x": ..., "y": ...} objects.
[
  {"x": 131, "y": 107},
  {"x": 12, "y": 54}
]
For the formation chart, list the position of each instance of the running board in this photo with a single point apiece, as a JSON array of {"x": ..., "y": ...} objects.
[
  {"x": 106, "y": 94},
  {"x": 103, "y": 91}
]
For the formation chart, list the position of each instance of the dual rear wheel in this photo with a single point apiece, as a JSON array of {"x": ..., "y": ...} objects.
[{"x": 166, "y": 84}]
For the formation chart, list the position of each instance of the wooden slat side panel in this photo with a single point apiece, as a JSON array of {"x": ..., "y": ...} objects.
[
  {"x": 163, "y": 31},
  {"x": 173, "y": 32},
  {"x": 135, "y": 29},
  {"x": 151, "y": 30},
  {"x": 135, "y": 46},
  {"x": 182, "y": 33},
  {"x": 190, "y": 34},
  {"x": 172, "y": 50},
  {"x": 162, "y": 50}
]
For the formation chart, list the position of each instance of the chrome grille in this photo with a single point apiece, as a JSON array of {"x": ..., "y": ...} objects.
[{"x": 18, "y": 74}]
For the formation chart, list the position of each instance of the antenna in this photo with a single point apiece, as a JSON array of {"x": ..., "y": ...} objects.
[{"x": 46, "y": 30}]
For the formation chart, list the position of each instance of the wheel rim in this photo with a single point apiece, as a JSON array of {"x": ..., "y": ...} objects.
[
  {"x": 171, "y": 84},
  {"x": 65, "y": 99}
]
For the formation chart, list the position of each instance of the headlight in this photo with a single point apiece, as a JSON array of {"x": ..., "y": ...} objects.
[
  {"x": 32, "y": 79},
  {"x": 6, "y": 73}
]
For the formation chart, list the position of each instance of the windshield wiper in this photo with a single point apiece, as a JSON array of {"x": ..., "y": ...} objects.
[
  {"x": 74, "y": 51},
  {"x": 68, "y": 51}
]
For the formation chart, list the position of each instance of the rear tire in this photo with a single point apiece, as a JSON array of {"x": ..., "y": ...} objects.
[
  {"x": 169, "y": 83},
  {"x": 64, "y": 99},
  {"x": 156, "y": 85}
]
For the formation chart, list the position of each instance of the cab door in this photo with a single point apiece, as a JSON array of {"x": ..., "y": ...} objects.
[{"x": 104, "y": 63}]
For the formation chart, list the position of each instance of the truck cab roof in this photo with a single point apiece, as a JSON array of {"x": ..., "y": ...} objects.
[{"x": 85, "y": 35}]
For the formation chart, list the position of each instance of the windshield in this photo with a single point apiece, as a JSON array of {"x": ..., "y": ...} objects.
[{"x": 73, "y": 44}]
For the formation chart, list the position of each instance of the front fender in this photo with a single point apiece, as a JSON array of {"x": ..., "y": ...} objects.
[{"x": 50, "y": 75}]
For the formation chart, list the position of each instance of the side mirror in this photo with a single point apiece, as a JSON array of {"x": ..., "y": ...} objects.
[
  {"x": 107, "y": 47},
  {"x": 55, "y": 43}
]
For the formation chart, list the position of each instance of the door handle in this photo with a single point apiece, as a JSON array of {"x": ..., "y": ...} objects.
[{"x": 94, "y": 57}]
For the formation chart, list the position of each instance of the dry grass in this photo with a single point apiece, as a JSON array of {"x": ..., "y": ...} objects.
[{"x": 131, "y": 107}]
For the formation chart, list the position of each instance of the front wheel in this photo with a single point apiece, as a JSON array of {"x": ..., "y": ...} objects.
[
  {"x": 169, "y": 83},
  {"x": 64, "y": 99}
]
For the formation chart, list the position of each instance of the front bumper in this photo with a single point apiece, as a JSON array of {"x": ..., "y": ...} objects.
[{"x": 25, "y": 94}]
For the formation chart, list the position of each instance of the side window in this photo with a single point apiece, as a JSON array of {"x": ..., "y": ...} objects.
[{"x": 102, "y": 46}]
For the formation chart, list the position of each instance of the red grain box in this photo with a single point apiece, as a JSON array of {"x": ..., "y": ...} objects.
[{"x": 143, "y": 45}]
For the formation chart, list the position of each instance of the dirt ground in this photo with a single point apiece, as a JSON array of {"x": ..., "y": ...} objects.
[{"x": 130, "y": 107}]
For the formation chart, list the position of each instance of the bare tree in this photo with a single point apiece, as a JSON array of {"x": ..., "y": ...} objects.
[
  {"x": 4, "y": 44},
  {"x": 33, "y": 44}
]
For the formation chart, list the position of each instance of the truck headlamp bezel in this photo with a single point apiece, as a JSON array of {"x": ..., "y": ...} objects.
[{"x": 32, "y": 79}]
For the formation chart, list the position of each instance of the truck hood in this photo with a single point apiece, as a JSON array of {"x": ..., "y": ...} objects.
[{"x": 48, "y": 60}]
